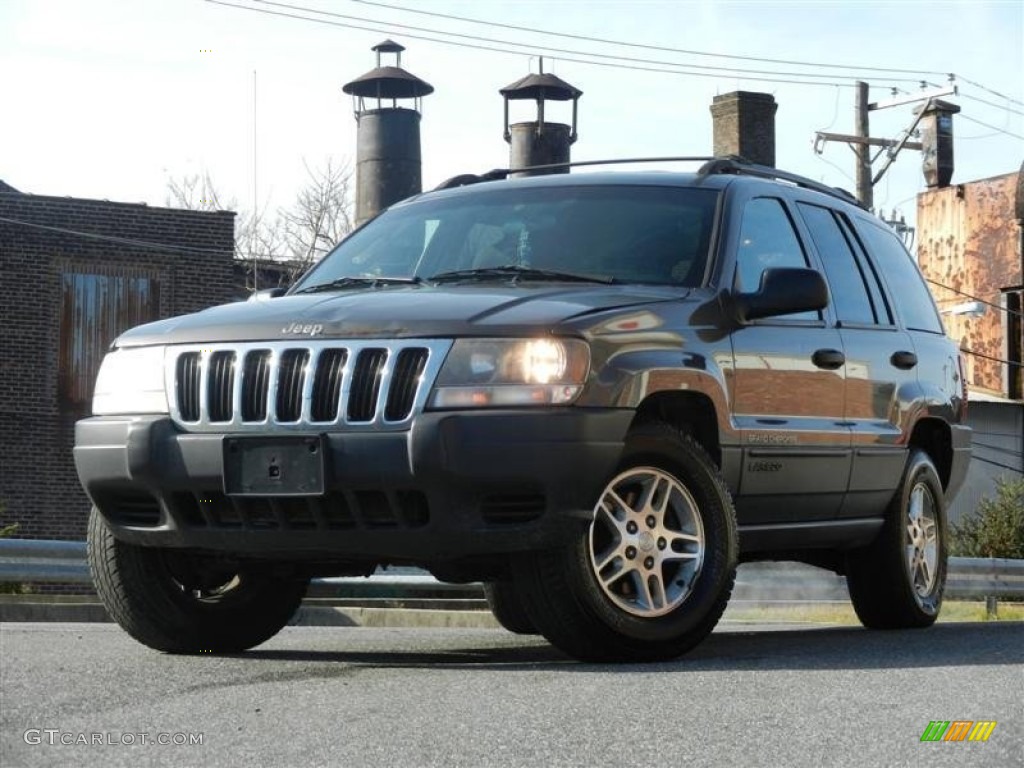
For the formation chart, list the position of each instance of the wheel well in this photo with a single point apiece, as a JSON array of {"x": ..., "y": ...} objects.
[
  {"x": 933, "y": 436},
  {"x": 691, "y": 412}
]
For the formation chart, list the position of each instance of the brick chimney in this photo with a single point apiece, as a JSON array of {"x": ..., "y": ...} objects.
[{"x": 744, "y": 124}]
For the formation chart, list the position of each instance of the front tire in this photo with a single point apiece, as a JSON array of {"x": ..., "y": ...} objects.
[
  {"x": 649, "y": 575},
  {"x": 506, "y": 605},
  {"x": 897, "y": 581},
  {"x": 178, "y": 603}
]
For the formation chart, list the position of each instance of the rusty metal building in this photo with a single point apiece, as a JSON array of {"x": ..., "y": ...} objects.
[
  {"x": 970, "y": 249},
  {"x": 75, "y": 274}
]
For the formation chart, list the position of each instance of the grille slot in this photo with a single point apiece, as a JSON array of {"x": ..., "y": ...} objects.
[
  {"x": 291, "y": 376},
  {"x": 327, "y": 384},
  {"x": 511, "y": 508},
  {"x": 405, "y": 380},
  {"x": 362, "y": 402},
  {"x": 187, "y": 373},
  {"x": 351, "y": 385},
  {"x": 255, "y": 380},
  {"x": 133, "y": 509},
  {"x": 220, "y": 384}
]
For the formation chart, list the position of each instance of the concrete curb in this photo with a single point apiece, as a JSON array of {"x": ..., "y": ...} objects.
[{"x": 310, "y": 614}]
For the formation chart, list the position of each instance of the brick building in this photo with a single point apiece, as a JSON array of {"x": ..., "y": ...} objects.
[{"x": 75, "y": 274}]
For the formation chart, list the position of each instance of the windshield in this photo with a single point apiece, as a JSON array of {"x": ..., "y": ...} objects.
[{"x": 623, "y": 234}]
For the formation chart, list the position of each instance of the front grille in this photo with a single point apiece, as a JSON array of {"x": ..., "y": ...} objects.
[
  {"x": 338, "y": 510},
  {"x": 346, "y": 384}
]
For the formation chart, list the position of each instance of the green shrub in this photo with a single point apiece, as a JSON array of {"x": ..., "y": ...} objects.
[
  {"x": 996, "y": 529},
  {"x": 9, "y": 587}
]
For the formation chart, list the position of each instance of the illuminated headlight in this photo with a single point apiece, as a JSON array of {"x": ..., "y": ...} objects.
[
  {"x": 131, "y": 381},
  {"x": 482, "y": 373}
]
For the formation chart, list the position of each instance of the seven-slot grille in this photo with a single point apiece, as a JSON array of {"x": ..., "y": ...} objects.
[{"x": 241, "y": 387}]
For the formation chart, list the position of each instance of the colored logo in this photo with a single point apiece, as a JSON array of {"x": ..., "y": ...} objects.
[{"x": 958, "y": 730}]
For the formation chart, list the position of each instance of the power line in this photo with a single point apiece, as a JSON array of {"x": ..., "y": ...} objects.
[
  {"x": 988, "y": 90},
  {"x": 120, "y": 240},
  {"x": 989, "y": 357},
  {"x": 744, "y": 73},
  {"x": 666, "y": 49},
  {"x": 995, "y": 128},
  {"x": 387, "y": 28},
  {"x": 996, "y": 464},
  {"x": 975, "y": 298},
  {"x": 992, "y": 104}
]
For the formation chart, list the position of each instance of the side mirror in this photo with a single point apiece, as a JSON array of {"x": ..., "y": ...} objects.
[
  {"x": 783, "y": 291},
  {"x": 269, "y": 293}
]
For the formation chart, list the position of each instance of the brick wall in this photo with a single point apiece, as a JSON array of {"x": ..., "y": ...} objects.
[{"x": 38, "y": 484}]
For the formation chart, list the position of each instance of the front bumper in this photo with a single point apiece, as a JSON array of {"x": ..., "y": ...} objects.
[{"x": 456, "y": 485}]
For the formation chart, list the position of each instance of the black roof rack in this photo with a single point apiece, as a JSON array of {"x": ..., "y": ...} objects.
[
  {"x": 712, "y": 166},
  {"x": 739, "y": 166},
  {"x": 502, "y": 173}
]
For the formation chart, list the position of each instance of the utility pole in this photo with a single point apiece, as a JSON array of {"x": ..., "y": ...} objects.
[
  {"x": 861, "y": 141},
  {"x": 861, "y": 150}
]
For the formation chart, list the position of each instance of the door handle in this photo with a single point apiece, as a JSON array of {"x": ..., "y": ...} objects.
[
  {"x": 903, "y": 360},
  {"x": 829, "y": 359}
]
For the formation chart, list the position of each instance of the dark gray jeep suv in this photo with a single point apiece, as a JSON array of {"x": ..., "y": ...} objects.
[{"x": 595, "y": 393}]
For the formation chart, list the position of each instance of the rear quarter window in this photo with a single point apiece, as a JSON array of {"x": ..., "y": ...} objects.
[{"x": 914, "y": 304}]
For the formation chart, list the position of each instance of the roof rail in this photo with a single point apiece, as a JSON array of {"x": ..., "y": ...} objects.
[
  {"x": 737, "y": 165},
  {"x": 464, "y": 179}
]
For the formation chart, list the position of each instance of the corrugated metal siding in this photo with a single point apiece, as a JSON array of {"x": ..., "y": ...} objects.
[
  {"x": 96, "y": 307},
  {"x": 998, "y": 442}
]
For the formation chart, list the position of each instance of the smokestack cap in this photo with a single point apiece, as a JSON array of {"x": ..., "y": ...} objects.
[{"x": 545, "y": 86}]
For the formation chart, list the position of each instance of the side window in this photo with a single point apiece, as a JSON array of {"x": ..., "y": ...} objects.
[
  {"x": 849, "y": 293},
  {"x": 883, "y": 310},
  {"x": 767, "y": 239},
  {"x": 915, "y": 306}
]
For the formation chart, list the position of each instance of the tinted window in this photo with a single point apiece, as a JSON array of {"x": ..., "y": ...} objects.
[
  {"x": 878, "y": 299},
  {"x": 849, "y": 293},
  {"x": 915, "y": 306},
  {"x": 767, "y": 239},
  {"x": 634, "y": 234}
]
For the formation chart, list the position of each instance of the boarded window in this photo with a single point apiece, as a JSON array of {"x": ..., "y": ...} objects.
[{"x": 95, "y": 308}]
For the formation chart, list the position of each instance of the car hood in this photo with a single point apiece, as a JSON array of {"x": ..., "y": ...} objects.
[{"x": 399, "y": 312}]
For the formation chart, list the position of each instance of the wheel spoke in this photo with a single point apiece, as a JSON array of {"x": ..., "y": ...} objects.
[
  {"x": 644, "y": 590},
  {"x": 669, "y": 555},
  {"x": 656, "y": 589},
  {"x": 624, "y": 507},
  {"x": 619, "y": 526},
  {"x": 606, "y": 560}
]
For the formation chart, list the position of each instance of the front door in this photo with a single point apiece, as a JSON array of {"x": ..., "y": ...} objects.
[{"x": 788, "y": 387}]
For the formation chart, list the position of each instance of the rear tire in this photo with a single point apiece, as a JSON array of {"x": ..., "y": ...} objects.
[
  {"x": 897, "y": 581},
  {"x": 178, "y": 603},
  {"x": 649, "y": 575},
  {"x": 507, "y": 606}
]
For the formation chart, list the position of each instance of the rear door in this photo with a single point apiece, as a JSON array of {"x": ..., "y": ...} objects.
[
  {"x": 880, "y": 360},
  {"x": 788, "y": 385}
]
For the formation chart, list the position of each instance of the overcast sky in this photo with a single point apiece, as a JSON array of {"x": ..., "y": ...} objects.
[{"x": 110, "y": 98}]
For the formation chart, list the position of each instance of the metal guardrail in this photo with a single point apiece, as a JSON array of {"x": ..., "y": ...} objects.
[{"x": 32, "y": 560}]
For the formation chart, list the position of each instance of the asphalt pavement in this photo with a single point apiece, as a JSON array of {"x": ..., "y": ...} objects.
[{"x": 350, "y": 696}]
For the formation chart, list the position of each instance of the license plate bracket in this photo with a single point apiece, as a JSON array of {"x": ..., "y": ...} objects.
[{"x": 274, "y": 466}]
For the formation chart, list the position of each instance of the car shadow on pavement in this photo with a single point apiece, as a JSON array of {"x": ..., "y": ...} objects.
[{"x": 853, "y": 648}]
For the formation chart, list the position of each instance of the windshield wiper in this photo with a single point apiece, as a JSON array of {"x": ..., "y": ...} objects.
[
  {"x": 518, "y": 272},
  {"x": 360, "y": 282}
]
